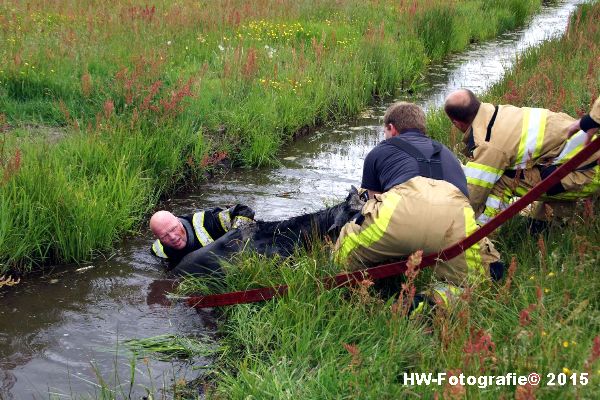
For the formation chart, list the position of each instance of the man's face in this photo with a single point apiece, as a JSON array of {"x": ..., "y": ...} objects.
[{"x": 172, "y": 235}]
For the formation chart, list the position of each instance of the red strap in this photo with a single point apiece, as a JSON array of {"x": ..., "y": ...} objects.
[{"x": 397, "y": 268}]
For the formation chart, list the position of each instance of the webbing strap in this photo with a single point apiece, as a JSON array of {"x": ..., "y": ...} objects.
[
  {"x": 428, "y": 167},
  {"x": 398, "y": 268},
  {"x": 488, "y": 134}
]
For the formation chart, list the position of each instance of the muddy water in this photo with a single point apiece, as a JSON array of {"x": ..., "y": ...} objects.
[{"x": 57, "y": 332}]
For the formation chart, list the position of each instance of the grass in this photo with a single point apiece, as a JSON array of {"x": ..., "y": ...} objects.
[
  {"x": 354, "y": 343},
  {"x": 169, "y": 346},
  {"x": 148, "y": 97}
]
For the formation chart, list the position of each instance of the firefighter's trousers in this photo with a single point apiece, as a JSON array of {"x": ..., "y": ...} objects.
[{"x": 420, "y": 214}]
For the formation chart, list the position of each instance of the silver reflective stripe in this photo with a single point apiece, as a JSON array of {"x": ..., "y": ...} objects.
[
  {"x": 157, "y": 247},
  {"x": 225, "y": 220},
  {"x": 573, "y": 145},
  {"x": 483, "y": 219},
  {"x": 495, "y": 203},
  {"x": 532, "y": 135},
  {"x": 481, "y": 175},
  {"x": 201, "y": 232}
]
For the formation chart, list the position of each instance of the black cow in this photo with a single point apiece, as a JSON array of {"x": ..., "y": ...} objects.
[{"x": 271, "y": 237}]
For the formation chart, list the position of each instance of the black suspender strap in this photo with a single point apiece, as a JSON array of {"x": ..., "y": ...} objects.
[
  {"x": 435, "y": 162},
  {"x": 428, "y": 167},
  {"x": 488, "y": 135}
]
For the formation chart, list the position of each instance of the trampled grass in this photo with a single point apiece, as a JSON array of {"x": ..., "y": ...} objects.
[
  {"x": 543, "y": 317},
  {"x": 146, "y": 95}
]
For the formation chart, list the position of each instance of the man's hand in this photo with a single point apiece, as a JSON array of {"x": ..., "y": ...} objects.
[
  {"x": 576, "y": 127},
  {"x": 573, "y": 128}
]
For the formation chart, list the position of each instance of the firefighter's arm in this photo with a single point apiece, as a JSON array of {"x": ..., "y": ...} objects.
[
  {"x": 483, "y": 171},
  {"x": 588, "y": 123}
]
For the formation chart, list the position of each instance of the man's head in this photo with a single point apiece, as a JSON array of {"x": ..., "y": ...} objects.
[
  {"x": 401, "y": 117},
  {"x": 461, "y": 107},
  {"x": 168, "y": 229}
]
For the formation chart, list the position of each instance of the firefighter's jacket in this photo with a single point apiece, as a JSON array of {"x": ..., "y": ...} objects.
[
  {"x": 509, "y": 138},
  {"x": 203, "y": 228}
]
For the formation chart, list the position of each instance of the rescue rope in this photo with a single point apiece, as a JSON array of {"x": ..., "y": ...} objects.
[{"x": 397, "y": 268}]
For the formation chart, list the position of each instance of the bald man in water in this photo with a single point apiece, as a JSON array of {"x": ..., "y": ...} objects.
[
  {"x": 511, "y": 149},
  {"x": 177, "y": 236}
]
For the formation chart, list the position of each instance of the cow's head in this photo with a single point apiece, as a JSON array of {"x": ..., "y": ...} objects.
[{"x": 346, "y": 211}]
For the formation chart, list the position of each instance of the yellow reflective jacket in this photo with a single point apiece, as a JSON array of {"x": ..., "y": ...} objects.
[{"x": 518, "y": 138}]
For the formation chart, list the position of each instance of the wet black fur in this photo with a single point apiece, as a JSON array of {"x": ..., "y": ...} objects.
[{"x": 271, "y": 237}]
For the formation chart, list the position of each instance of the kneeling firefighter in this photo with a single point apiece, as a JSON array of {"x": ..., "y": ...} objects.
[
  {"x": 418, "y": 200},
  {"x": 180, "y": 235}
]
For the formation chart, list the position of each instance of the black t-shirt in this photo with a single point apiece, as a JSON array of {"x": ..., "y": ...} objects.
[{"x": 387, "y": 166}]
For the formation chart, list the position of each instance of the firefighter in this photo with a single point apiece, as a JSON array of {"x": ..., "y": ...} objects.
[
  {"x": 417, "y": 201},
  {"x": 511, "y": 149},
  {"x": 180, "y": 235}
]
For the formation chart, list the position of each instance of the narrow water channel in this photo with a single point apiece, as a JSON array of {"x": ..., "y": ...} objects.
[{"x": 57, "y": 332}]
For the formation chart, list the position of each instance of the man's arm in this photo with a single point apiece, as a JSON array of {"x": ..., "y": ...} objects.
[{"x": 588, "y": 123}]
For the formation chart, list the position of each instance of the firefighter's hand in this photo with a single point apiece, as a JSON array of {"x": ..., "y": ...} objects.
[
  {"x": 573, "y": 128},
  {"x": 576, "y": 127}
]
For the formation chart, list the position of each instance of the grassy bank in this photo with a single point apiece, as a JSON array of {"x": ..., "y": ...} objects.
[
  {"x": 105, "y": 106},
  {"x": 351, "y": 343}
]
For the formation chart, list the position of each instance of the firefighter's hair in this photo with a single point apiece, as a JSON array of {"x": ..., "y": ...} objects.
[{"x": 405, "y": 117}]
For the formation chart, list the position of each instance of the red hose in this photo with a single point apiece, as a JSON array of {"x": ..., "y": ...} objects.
[{"x": 397, "y": 268}]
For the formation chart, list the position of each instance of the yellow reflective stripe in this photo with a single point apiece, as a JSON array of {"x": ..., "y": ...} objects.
[
  {"x": 481, "y": 174},
  {"x": 472, "y": 254},
  {"x": 532, "y": 135},
  {"x": 158, "y": 249},
  {"x": 572, "y": 147},
  {"x": 374, "y": 231},
  {"x": 479, "y": 182},
  {"x": 541, "y": 132},
  {"x": 201, "y": 233},
  {"x": 225, "y": 220},
  {"x": 240, "y": 221},
  {"x": 485, "y": 168},
  {"x": 446, "y": 291},
  {"x": 418, "y": 310},
  {"x": 587, "y": 190},
  {"x": 476, "y": 174},
  {"x": 520, "y": 191},
  {"x": 524, "y": 130}
]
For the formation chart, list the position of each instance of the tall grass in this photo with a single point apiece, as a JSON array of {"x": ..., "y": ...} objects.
[
  {"x": 147, "y": 95},
  {"x": 543, "y": 317}
]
